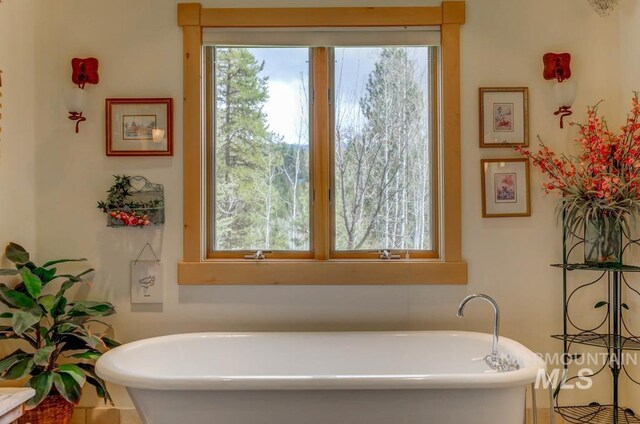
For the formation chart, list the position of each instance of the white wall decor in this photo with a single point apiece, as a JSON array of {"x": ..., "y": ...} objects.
[{"x": 146, "y": 282}]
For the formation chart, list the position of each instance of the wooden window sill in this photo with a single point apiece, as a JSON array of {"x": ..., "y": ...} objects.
[{"x": 321, "y": 272}]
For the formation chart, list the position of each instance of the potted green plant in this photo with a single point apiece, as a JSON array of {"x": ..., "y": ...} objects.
[{"x": 57, "y": 348}]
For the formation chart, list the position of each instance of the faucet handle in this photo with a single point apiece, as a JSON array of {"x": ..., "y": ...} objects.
[
  {"x": 512, "y": 362},
  {"x": 502, "y": 363}
]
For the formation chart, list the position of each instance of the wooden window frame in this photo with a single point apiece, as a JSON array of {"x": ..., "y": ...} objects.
[{"x": 322, "y": 268}]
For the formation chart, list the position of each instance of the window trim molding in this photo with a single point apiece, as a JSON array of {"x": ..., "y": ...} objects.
[{"x": 196, "y": 269}]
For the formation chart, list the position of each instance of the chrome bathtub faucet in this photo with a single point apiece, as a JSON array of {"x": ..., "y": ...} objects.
[{"x": 494, "y": 361}]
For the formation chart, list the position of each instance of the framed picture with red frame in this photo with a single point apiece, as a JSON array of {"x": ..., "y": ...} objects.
[{"x": 139, "y": 127}]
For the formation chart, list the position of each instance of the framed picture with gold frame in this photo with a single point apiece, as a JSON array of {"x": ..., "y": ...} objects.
[
  {"x": 504, "y": 116},
  {"x": 505, "y": 188}
]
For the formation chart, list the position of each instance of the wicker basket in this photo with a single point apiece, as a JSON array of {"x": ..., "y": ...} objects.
[{"x": 54, "y": 409}]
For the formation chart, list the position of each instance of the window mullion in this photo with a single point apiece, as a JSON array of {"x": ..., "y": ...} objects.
[{"x": 320, "y": 142}]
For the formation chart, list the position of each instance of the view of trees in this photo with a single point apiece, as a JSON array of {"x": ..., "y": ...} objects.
[
  {"x": 261, "y": 182},
  {"x": 382, "y": 158}
]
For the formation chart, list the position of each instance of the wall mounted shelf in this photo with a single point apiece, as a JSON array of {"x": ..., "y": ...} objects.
[{"x": 134, "y": 202}]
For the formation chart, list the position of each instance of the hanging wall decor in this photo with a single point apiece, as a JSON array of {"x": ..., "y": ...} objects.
[
  {"x": 83, "y": 72},
  {"x": 133, "y": 202},
  {"x": 504, "y": 116},
  {"x": 505, "y": 188},
  {"x": 146, "y": 279},
  {"x": 139, "y": 127},
  {"x": 557, "y": 68}
]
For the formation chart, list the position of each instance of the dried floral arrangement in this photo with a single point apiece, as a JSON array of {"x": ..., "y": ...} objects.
[{"x": 603, "y": 181}]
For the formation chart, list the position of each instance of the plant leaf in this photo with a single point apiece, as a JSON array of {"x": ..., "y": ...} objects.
[
  {"x": 97, "y": 382},
  {"x": 15, "y": 298},
  {"x": 45, "y": 275},
  {"x": 110, "y": 342},
  {"x": 23, "y": 320},
  {"x": 69, "y": 326},
  {"x": 76, "y": 278},
  {"x": 20, "y": 369},
  {"x": 47, "y": 302},
  {"x": 80, "y": 339},
  {"x": 32, "y": 282},
  {"x": 11, "y": 359},
  {"x": 100, "y": 309},
  {"x": 59, "y": 305},
  {"x": 16, "y": 253},
  {"x": 101, "y": 389},
  {"x": 6, "y": 315},
  {"x": 74, "y": 371},
  {"x": 6, "y": 332},
  {"x": 92, "y": 341},
  {"x": 42, "y": 355},
  {"x": 42, "y": 385},
  {"x": 61, "y": 261},
  {"x": 600, "y": 304},
  {"x": 71, "y": 280},
  {"x": 67, "y": 386},
  {"x": 89, "y": 354},
  {"x": 70, "y": 343},
  {"x": 7, "y": 272}
]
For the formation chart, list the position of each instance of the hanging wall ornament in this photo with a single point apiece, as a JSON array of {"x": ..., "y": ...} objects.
[
  {"x": 557, "y": 67},
  {"x": 84, "y": 71}
]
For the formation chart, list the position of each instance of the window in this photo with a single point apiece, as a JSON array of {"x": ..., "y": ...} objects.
[
  {"x": 319, "y": 148},
  {"x": 258, "y": 138},
  {"x": 384, "y": 141},
  {"x": 382, "y": 111}
]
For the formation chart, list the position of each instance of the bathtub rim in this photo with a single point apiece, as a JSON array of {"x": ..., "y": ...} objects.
[{"x": 490, "y": 379}]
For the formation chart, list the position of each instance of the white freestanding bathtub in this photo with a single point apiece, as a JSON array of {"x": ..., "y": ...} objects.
[{"x": 321, "y": 378}]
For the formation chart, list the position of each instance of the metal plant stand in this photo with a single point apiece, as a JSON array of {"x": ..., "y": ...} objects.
[{"x": 612, "y": 332}]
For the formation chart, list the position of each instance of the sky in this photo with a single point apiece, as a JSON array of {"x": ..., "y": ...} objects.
[
  {"x": 287, "y": 69},
  {"x": 288, "y": 73}
]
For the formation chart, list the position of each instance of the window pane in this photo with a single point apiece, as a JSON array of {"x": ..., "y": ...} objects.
[
  {"x": 261, "y": 149},
  {"x": 383, "y": 148}
]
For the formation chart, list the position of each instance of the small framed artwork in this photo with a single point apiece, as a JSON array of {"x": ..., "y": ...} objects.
[
  {"x": 146, "y": 282},
  {"x": 504, "y": 117},
  {"x": 139, "y": 127},
  {"x": 505, "y": 188}
]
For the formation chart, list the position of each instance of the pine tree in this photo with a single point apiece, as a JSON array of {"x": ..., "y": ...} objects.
[
  {"x": 241, "y": 136},
  {"x": 261, "y": 182}
]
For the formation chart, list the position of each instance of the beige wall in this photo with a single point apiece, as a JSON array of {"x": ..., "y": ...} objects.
[
  {"x": 139, "y": 47},
  {"x": 17, "y": 139},
  {"x": 629, "y": 48}
]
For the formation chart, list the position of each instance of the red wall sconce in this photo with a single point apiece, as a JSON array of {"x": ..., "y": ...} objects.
[
  {"x": 557, "y": 66},
  {"x": 84, "y": 71}
]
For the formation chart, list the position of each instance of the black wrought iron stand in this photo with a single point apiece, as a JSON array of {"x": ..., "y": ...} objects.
[{"x": 612, "y": 333}]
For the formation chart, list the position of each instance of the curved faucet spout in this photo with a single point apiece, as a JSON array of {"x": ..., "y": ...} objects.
[{"x": 496, "y": 322}]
